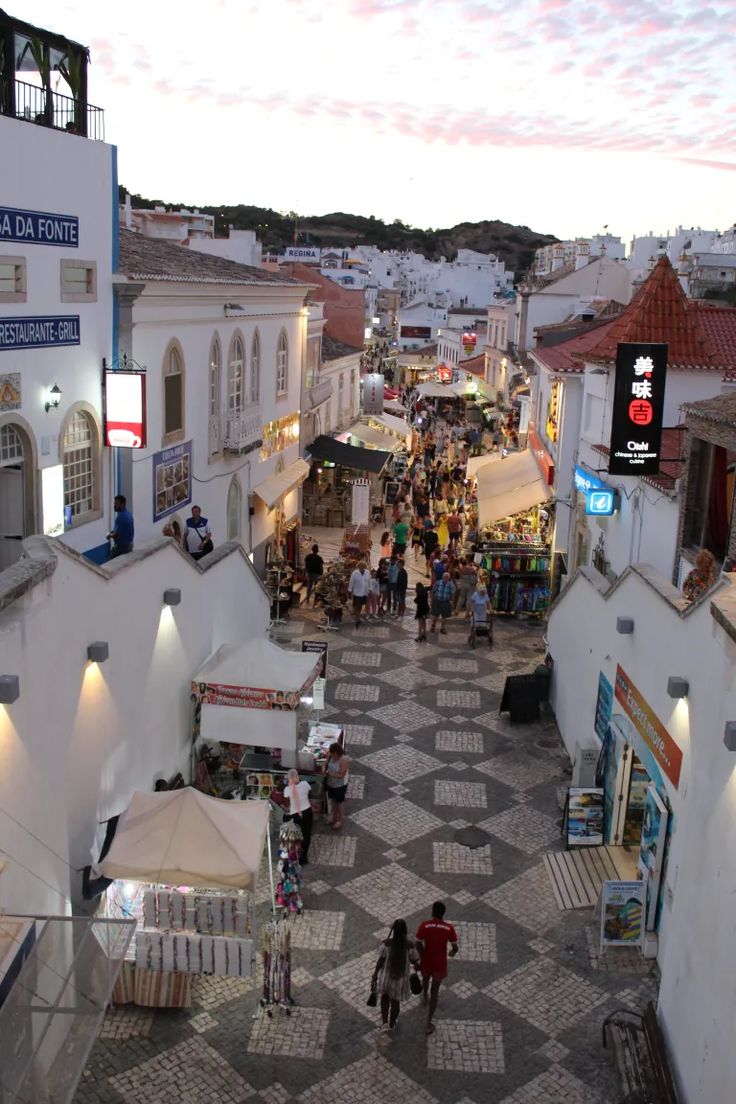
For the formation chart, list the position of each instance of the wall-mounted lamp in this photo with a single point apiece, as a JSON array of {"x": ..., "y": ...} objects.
[
  {"x": 729, "y": 735},
  {"x": 53, "y": 398},
  {"x": 677, "y": 687},
  {"x": 9, "y": 689},
  {"x": 98, "y": 651},
  {"x": 172, "y": 596},
  {"x": 625, "y": 625}
]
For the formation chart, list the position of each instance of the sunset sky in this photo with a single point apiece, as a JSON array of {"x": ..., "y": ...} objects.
[{"x": 563, "y": 116}]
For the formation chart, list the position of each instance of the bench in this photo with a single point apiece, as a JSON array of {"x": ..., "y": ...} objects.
[{"x": 640, "y": 1054}]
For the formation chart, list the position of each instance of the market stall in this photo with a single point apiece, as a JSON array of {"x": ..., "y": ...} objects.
[
  {"x": 253, "y": 694},
  {"x": 335, "y": 465},
  {"x": 373, "y": 436},
  {"x": 185, "y": 866},
  {"x": 395, "y": 427},
  {"x": 280, "y": 495}
]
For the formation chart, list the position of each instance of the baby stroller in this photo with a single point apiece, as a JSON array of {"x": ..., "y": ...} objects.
[{"x": 481, "y": 628}]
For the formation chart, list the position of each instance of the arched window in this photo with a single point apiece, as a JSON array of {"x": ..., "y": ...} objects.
[
  {"x": 215, "y": 364},
  {"x": 173, "y": 394},
  {"x": 234, "y": 503},
  {"x": 255, "y": 369},
  {"x": 282, "y": 365},
  {"x": 11, "y": 446},
  {"x": 236, "y": 368},
  {"x": 79, "y": 457}
]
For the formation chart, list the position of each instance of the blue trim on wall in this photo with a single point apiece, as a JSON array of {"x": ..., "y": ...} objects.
[
  {"x": 115, "y": 210},
  {"x": 115, "y": 349},
  {"x": 99, "y": 555}
]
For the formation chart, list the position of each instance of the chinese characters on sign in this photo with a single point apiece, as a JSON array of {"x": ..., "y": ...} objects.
[
  {"x": 638, "y": 402},
  {"x": 553, "y": 412}
]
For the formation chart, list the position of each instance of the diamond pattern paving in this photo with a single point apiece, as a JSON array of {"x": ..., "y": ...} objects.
[
  {"x": 361, "y": 659},
  {"x": 520, "y": 771},
  {"x": 192, "y": 1063},
  {"x": 396, "y": 820},
  {"x": 466, "y": 1046},
  {"x": 390, "y": 892},
  {"x": 552, "y": 1087},
  {"x": 476, "y": 941},
  {"x": 300, "y": 1035},
  {"x": 409, "y": 678},
  {"x": 470, "y": 699},
  {"x": 405, "y": 716},
  {"x": 348, "y": 691},
  {"x": 547, "y": 995},
  {"x": 470, "y": 795},
  {"x": 527, "y": 900},
  {"x": 332, "y": 850},
  {"x": 368, "y": 1081},
  {"x": 524, "y": 827},
  {"x": 358, "y": 735},
  {"x": 452, "y": 858},
  {"x": 401, "y": 763},
  {"x": 459, "y": 741}
]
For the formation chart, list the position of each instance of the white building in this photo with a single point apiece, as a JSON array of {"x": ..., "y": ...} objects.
[
  {"x": 54, "y": 269},
  {"x": 331, "y": 390},
  {"x": 559, "y": 256},
  {"x": 419, "y": 324},
  {"x": 240, "y": 245},
  {"x": 224, "y": 346},
  {"x": 180, "y": 226},
  {"x": 685, "y": 240}
]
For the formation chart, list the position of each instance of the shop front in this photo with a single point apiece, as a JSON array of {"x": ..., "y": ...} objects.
[
  {"x": 639, "y": 766},
  {"x": 514, "y": 527},
  {"x": 335, "y": 468},
  {"x": 279, "y": 496}
]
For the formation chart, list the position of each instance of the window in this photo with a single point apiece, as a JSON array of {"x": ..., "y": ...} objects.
[
  {"x": 173, "y": 395},
  {"x": 79, "y": 459},
  {"x": 11, "y": 446},
  {"x": 235, "y": 377},
  {"x": 255, "y": 369},
  {"x": 78, "y": 282},
  {"x": 234, "y": 501},
  {"x": 12, "y": 280},
  {"x": 282, "y": 365},
  {"x": 215, "y": 360}
]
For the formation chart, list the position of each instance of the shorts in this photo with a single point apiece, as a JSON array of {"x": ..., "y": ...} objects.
[
  {"x": 436, "y": 974},
  {"x": 337, "y": 794},
  {"x": 399, "y": 549},
  {"x": 358, "y": 602},
  {"x": 441, "y": 608}
]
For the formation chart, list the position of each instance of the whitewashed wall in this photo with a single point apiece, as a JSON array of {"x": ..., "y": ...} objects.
[
  {"x": 81, "y": 738},
  {"x": 697, "y": 1002}
]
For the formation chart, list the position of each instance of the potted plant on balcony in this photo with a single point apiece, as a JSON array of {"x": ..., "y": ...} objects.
[
  {"x": 71, "y": 68},
  {"x": 41, "y": 59}
]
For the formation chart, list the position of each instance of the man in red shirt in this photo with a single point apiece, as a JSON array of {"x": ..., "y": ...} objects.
[{"x": 433, "y": 936}]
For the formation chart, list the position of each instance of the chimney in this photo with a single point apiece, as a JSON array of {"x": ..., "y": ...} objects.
[
  {"x": 582, "y": 254},
  {"x": 651, "y": 263},
  {"x": 558, "y": 257}
]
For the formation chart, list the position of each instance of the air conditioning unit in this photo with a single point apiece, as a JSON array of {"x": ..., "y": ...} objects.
[{"x": 584, "y": 764}]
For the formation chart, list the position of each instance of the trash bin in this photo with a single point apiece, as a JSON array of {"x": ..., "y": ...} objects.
[{"x": 543, "y": 676}]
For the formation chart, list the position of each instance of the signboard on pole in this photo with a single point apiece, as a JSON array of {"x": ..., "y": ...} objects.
[
  {"x": 373, "y": 386},
  {"x": 638, "y": 404},
  {"x": 318, "y": 647},
  {"x": 125, "y": 409},
  {"x": 622, "y": 914},
  {"x": 361, "y": 502}
]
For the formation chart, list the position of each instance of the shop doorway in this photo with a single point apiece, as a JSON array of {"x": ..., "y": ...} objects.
[{"x": 13, "y": 496}]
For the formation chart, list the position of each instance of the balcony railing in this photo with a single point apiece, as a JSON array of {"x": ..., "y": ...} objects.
[
  {"x": 52, "y": 109},
  {"x": 243, "y": 431}
]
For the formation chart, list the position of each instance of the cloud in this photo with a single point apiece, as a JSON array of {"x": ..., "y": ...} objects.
[{"x": 729, "y": 166}]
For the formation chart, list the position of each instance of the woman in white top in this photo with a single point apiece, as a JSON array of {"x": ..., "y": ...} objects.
[{"x": 300, "y": 809}]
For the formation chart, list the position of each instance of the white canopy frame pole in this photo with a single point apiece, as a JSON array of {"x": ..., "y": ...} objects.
[{"x": 270, "y": 867}]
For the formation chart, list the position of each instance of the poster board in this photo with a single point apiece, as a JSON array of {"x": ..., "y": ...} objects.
[
  {"x": 318, "y": 647},
  {"x": 622, "y": 907},
  {"x": 361, "y": 502},
  {"x": 391, "y": 493},
  {"x": 585, "y": 817}
]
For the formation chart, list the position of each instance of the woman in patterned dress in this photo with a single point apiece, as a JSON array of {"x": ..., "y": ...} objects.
[{"x": 391, "y": 975}]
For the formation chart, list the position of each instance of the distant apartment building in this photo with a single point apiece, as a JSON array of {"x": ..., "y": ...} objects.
[{"x": 567, "y": 255}]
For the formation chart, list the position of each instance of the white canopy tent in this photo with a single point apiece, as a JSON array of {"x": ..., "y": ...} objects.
[
  {"x": 374, "y": 438},
  {"x": 510, "y": 486},
  {"x": 250, "y": 692},
  {"x": 184, "y": 837},
  {"x": 394, "y": 407},
  {"x": 432, "y": 390},
  {"x": 470, "y": 389}
]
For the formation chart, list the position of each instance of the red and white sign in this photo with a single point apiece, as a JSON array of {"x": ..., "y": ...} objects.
[
  {"x": 545, "y": 463},
  {"x": 470, "y": 340},
  {"x": 125, "y": 409}
]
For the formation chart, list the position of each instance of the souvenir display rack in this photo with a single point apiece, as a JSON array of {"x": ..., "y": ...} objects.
[
  {"x": 276, "y": 990},
  {"x": 280, "y": 586},
  {"x": 518, "y": 575}
]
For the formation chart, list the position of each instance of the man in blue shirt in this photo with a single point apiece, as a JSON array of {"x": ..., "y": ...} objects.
[{"x": 122, "y": 535}]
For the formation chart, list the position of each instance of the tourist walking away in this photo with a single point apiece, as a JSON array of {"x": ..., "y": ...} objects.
[
  {"x": 417, "y": 536},
  {"x": 122, "y": 535},
  {"x": 314, "y": 566},
  {"x": 422, "y": 611},
  {"x": 359, "y": 588},
  {"x": 382, "y": 574},
  {"x": 402, "y": 585},
  {"x": 401, "y": 533},
  {"x": 442, "y": 593},
  {"x": 430, "y": 544},
  {"x": 390, "y": 979},
  {"x": 393, "y": 575},
  {"x": 300, "y": 809},
  {"x": 374, "y": 596},
  {"x": 467, "y": 577},
  {"x": 337, "y": 784},
  {"x": 433, "y": 937},
  {"x": 197, "y": 535}
]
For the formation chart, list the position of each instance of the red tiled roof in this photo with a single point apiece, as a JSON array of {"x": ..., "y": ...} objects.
[
  {"x": 568, "y": 356},
  {"x": 719, "y": 325},
  {"x": 671, "y": 458},
  {"x": 660, "y": 311},
  {"x": 475, "y": 365}
]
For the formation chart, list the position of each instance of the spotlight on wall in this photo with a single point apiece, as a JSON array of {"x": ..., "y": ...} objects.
[
  {"x": 53, "y": 398},
  {"x": 677, "y": 687},
  {"x": 98, "y": 651},
  {"x": 172, "y": 596},
  {"x": 9, "y": 689},
  {"x": 729, "y": 735},
  {"x": 625, "y": 625}
]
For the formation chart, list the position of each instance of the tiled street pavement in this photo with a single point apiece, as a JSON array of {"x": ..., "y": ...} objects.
[{"x": 520, "y": 1014}]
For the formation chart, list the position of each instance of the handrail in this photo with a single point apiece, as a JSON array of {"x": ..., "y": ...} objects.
[{"x": 53, "y": 109}]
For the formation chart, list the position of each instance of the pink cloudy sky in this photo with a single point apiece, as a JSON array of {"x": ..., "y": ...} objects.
[{"x": 564, "y": 116}]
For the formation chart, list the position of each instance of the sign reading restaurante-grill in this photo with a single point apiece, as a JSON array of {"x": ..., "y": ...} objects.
[
  {"x": 39, "y": 333},
  {"x": 638, "y": 402},
  {"x": 38, "y": 227}
]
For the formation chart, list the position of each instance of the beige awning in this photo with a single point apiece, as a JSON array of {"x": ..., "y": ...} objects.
[
  {"x": 395, "y": 427},
  {"x": 432, "y": 390},
  {"x": 510, "y": 486},
  {"x": 475, "y": 463},
  {"x": 273, "y": 489},
  {"x": 374, "y": 438}
]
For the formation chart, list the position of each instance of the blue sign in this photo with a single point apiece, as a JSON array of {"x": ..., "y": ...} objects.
[
  {"x": 172, "y": 479},
  {"x": 39, "y": 333},
  {"x": 602, "y": 503},
  {"x": 585, "y": 482},
  {"x": 38, "y": 227}
]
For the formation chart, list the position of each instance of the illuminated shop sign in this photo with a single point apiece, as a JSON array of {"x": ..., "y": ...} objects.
[
  {"x": 585, "y": 482},
  {"x": 279, "y": 434},
  {"x": 125, "y": 409},
  {"x": 600, "y": 503},
  {"x": 638, "y": 403},
  {"x": 38, "y": 227}
]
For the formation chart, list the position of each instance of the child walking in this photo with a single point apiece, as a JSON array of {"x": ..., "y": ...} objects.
[{"x": 422, "y": 612}]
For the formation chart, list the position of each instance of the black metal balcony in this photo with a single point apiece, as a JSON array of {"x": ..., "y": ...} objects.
[{"x": 52, "y": 109}]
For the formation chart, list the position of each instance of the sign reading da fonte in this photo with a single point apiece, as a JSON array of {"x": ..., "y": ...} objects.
[
  {"x": 38, "y": 227},
  {"x": 638, "y": 403}
]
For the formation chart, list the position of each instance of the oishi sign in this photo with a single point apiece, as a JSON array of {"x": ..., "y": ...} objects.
[
  {"x": 125, "y": 409},
  {"x": 638, "y": 401}
]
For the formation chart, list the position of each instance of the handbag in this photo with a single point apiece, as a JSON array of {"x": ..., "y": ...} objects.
[
  {"x": 372, "y": 996},
  {"x": 415, "y": 983}
]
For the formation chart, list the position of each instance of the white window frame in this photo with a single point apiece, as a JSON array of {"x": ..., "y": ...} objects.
[
  {"x": 215, "y": 375},
  {"x": 174, "y": 358},
  {"x": 71, "y": 283},
  {"x": 255, "y": 368},
  {"x": 18, "y": 293},
  {"x": 236, "y": 377},
  {"x": 80, "y": 460},
  {"x": 282, "y": 366}
]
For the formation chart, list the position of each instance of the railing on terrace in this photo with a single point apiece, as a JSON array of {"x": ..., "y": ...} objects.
[{"x": 52, "y": 109}]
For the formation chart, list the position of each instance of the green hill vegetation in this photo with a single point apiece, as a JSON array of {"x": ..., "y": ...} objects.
[{"x": 514, "y": 245}]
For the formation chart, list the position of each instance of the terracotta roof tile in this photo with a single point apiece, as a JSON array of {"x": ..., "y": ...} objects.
[
  {"x": 143, "y": 258},
  {"x": 475, "y": 365},
  {"x": 569, "y": 356},
  {"x": 719, "y": 324},
  {"x": 721, "y": 408},
  {"x": 660, "y": 311}
]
